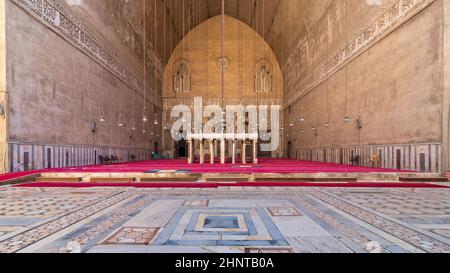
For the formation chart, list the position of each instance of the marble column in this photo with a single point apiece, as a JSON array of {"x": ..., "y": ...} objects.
[
  {"x": 222, "y": 151},
  {"x": 244, "y": 152},
  {"x": 202, "y": 152},
  {"x": 233, "y": 152},
  {"x": 215, "y": 147},
  {"x": 190, "y": 152},
  {"x": 211, "y": 151},
  {"x": 255, "y": 152}
]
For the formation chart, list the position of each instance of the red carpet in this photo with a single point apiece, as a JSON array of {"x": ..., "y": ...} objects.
[
  {"x": 279, "y": 166},
  {"x": 216, "y": 185}
]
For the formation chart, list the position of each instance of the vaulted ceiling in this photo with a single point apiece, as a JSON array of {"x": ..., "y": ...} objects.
[
  {"x": 183, "y": 15},
  {"x": 257, "y": 13}
]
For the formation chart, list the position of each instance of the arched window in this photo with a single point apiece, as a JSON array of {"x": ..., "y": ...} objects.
[
  {"x": 181, "y": 76},
  {"x": 263, "y": 76}
]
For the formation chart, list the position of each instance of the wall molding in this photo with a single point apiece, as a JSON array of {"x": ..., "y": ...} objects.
[
  {"x": 388, "y": 20},
  {"x": 55, "y": 15},
  {"x": 420, "y": 157},
  {"x": 37, "y": 156}
]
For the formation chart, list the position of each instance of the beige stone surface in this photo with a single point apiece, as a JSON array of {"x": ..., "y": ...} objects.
[
  {"x": 446, "y": 85},
  {"x": 3, "y": 90},
  {"x": 394, "y": 87},
  {"x": 202, "y": 50},
  {"x": 56, "y": 92}
]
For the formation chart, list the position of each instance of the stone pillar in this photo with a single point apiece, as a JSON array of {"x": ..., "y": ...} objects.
[
  {"x": 222, "y": 151},
  {"x": 229, "y": 148},
  {"x": 233, "y": 152},
  {"x": 190, "y": 152},
  {"x": 202, "y": 152},
  {"x": 446, "y": 89},
  {"x": 244, "y": 152},
  {"x": 255, "y": 152},
  {"x": 4, "y": 166},
  {"x": 215, "y": 147},
  {"x": 211, "y": 151}
]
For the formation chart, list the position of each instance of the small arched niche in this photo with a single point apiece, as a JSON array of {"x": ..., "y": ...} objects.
[
  {"x": 181, "y": 77},
  {"x": 263, "y": 76}
]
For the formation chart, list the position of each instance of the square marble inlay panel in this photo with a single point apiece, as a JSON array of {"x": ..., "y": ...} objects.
[
  {"x": 196, "y": 203},
  {"x": 132, "y": 236},
  {"x": 284, "y": 212},
  {"x": 221, "y": 223},
  {"x": 240, "y": 226}
]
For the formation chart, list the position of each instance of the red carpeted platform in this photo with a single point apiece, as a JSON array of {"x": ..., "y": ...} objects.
[
  {"x": 217, "y": 185},
  {"x": 280, "y": 166},
  {"x": 274, "y": 166}
]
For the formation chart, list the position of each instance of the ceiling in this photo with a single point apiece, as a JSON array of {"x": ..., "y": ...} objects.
[{"x": 259, "y": 14}]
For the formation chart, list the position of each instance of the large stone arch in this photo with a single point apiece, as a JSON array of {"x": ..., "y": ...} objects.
[{"x": 201, "y": 50}]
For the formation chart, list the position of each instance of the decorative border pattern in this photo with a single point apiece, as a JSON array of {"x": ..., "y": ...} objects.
[
  {"x": 286, "y": 212},
  {"x": 350, "y": 232},
  {"x": 121, "y": 236},
  {"x": 418, "y": 240},
  {"x": 54, "y": 14},
  {"x": 397, "y": 12},
  {"x": 32, "y": 236}
]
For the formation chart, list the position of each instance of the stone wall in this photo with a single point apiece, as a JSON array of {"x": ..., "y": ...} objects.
[
  {"x": 393, "y": 85},
  {"x": 3, "y": 91},
  {"x": 60, "y": 74},
  {"x": 446, "y": 86}
]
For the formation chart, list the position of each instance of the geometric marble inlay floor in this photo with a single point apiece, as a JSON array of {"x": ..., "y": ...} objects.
[{"x": 234, "y": 220}]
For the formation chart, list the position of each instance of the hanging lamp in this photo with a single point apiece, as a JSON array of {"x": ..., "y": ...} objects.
[
  {"x": 155, "y": 115},
  {"x": 347, "y": 118},
  {"x": 102, "y": 109},
  {"x": 144, "y": 115},
  {"x": 133, "y": 127}
]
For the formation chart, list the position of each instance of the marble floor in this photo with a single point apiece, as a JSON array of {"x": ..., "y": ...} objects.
[{"x": 224, "y": 220}]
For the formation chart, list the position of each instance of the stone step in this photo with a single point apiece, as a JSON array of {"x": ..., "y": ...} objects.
[
  {"x": 423, "y": 179},
  {"x": 170, "y": 179},
  {"x": 58, "y": 179},
  {"x": 283, "y": 179},
  {"x": 112, "y": 179},
  {"x": 305, "y": 179},
  {"x": 336, "y": 179},
  {"x": 227, "y": 179},
  {"x": 19, "y": 180}
]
